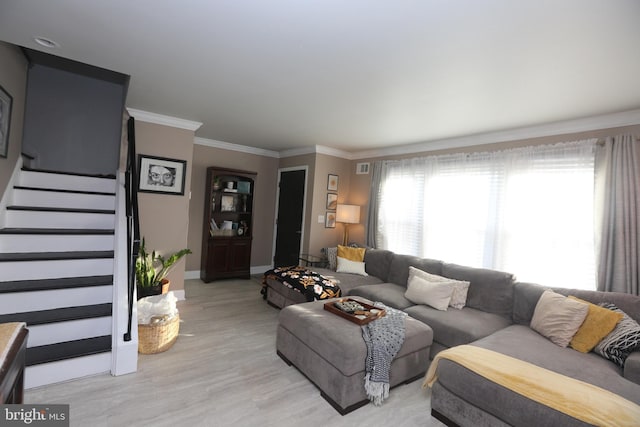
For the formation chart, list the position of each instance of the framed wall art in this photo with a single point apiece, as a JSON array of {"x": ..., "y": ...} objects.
[
  {"x": 332, "y": 201},
  {"x": 330, "y": 220},
  {"x": 332, "y": 182},
  {"x": 6, "y": 102},
  {"x": 161, "y": 175}
]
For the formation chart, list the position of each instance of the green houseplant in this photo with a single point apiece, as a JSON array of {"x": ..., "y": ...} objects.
[{"x": 152, "y": 269}]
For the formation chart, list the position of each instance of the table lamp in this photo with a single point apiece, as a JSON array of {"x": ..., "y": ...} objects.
[{"x": 347, "y": 214}]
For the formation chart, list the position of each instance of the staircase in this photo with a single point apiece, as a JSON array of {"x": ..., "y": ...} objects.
[{"x": 56, "y": 272}]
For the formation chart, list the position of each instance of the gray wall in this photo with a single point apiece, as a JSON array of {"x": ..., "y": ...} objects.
[
  {"x": 13, "y": 78},
  {"x": 72, "y": 122}
]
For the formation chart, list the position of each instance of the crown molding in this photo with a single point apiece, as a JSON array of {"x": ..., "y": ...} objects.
[
  {"x": 159, "y": 119},
  {"x": 235, "y": 147},
  {"x": 335, "y": 152},
  {"x": 316, "y": 149},
  {"x": 613, "y": 120}
]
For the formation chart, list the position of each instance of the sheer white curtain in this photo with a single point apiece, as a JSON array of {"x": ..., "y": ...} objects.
[{"x": 528, "y": 211}]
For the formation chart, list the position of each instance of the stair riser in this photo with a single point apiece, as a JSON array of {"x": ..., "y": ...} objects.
[
  {"x": 32, "y": 270},
  {"x": 18, "y": 302},
  {"x": 68, "y": 331},
  {"x": 66, "y": 182},
  {"x": 55, "y": 243},
  {"x": 62, "y": 200},
  {"x": 64, "y": 370},
  {"x": 30, "y": 219}
]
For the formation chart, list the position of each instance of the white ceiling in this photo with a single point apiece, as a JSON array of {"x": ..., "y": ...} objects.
[{"x": 351, "y": 74}]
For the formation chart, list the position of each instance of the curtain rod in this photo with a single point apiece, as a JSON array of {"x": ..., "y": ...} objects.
[{"x": 601, "y": 141}]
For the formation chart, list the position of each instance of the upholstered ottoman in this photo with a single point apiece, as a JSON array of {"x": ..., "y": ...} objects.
[{"x": 330, "y": 351}]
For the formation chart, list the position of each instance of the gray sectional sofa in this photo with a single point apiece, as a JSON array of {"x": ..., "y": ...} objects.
[{"x": 496, "y": 316}]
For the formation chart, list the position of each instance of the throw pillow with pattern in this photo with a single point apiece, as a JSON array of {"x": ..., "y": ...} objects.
[
  {"x": 332, "y": 257},
  {"x": 622, "y": 341}
]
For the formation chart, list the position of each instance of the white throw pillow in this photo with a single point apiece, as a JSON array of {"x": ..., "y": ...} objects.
[
  {"x": 348, "y": 266},
  {"x": 558, "y": 318},
  {"x": 434, "y": 294},
  {"x": 460, "y": 287}
]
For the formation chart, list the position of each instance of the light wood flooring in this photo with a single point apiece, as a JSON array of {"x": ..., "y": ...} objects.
[{"x": 222, "y": 371}]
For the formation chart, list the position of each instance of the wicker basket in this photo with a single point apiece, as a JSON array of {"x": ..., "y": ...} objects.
[{"x": 158, "y": 337}]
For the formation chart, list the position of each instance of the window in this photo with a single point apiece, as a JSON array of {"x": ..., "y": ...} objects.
[{"x": 528, "y": 211}]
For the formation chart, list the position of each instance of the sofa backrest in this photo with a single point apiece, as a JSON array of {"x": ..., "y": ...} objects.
[
  {"x": 399, "y": 269},
  {"x": 490, "y": 290},
  {"x": 526, "y": 296},
  {"x": 377, "y": 263}
]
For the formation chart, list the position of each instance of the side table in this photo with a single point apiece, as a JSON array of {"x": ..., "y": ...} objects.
[{"x": 313, "y": 261}]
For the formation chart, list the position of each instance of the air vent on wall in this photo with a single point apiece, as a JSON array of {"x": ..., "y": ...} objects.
[{"x": 362, "y": 169}]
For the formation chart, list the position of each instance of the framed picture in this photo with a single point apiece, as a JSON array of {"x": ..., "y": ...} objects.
[
  {"x": 6, "y": 102},
  {"x": 161, "y": 175},
  {"x": 330, "y": 220},
  {"x": 227, "y": 204},
  {"x": 332, "y": 201},
  {"x": 332, "y": 183}
]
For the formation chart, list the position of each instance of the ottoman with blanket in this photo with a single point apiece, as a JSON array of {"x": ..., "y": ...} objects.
[{"x": 331, "y": 352}]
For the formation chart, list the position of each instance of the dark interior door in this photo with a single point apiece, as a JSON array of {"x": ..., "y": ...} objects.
[{"x": 289, "y": 228}]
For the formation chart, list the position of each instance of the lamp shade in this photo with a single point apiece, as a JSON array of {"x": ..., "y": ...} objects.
[{"x": 349, "y": 214}]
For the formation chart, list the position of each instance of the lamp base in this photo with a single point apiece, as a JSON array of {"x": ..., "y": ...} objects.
[{"x": 345, "y": 237}]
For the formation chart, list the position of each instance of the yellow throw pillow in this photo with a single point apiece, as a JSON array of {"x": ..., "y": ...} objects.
[
  {"x": 352, "y": 254},
  {"x": 597, "y": 325}
]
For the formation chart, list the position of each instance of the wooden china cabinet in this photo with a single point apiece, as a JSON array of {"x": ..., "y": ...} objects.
[{"x": 228, "y": 224}]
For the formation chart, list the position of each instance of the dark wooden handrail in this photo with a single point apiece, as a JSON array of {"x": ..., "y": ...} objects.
[{"x": 133, "y": 223}]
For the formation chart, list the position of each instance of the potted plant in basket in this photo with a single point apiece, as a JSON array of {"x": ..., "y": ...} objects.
[{"x": 152, "y": 269}]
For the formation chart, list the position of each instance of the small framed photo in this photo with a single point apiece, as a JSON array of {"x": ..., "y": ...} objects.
[
  {"x": 161, "y": 175},
  {"x": 6, "y": 102},
  {"x": 330, "y": 220},
  {"x": 227, "y": 204},
  {"x": 332, "y": 201},
  {"x": 332, "y": 183}
]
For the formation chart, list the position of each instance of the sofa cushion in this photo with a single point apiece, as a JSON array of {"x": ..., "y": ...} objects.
[
  {"x": 399, "y": 269},
  {"x": 490, "y": 290},
  {"x": 377, "y": 263},
  {"x": 526, "y": 297},
  {"x": 460, "y": 287},
  {"x": 524, "y": 343},
  {"x": 348, "y": 281},
  {"x": 521, "y": 342},
  {"x": 558, "y": 318},
  {"x": 433, "y": 294},
  {"x": 455, "y": 327},
  {"x": 387, "y": 293},
  {"x": 597, "y": 325}
]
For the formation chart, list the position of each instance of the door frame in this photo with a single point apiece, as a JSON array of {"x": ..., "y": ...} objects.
[{"x": 305, "y": 168}]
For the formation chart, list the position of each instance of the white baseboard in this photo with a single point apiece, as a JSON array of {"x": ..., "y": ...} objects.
[
  {"x": 179, "y": 294},
  {"x": 259, "y": 269},
  {"x": 193, "y": 274}
]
